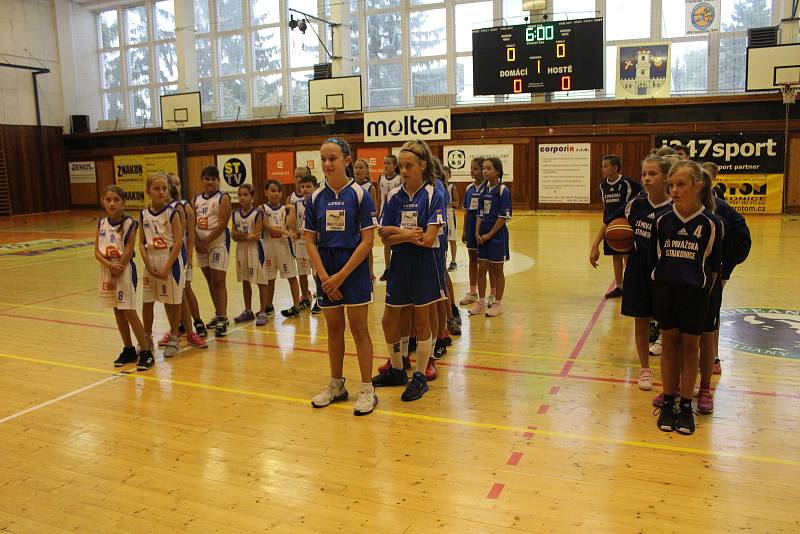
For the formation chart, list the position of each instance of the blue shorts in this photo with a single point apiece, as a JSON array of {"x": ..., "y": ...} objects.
[
  {"x": 356, "y": 289},
  {"x": 441, "y": 267},
  {"x": 637, "y": 288},
  {"x": 414, "y": 277},
  {"x": 496, "y": 249},
  {"x": 469, "y": 230}
]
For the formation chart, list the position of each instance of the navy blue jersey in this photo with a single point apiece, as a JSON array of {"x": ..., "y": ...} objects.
[
  {"x": 616, "y": 194},
  {"x": 688, "y": 250},
  {"x": 494, "y": 203},
  {"x": 426, "y": 206},
  {"x": 737, "y": 241},
  {"x": 339, "y": 217},
  {"x": 443, "y": 230},
  {"x": 471, "y": 197},
  {"x": 642, "y": 215}
]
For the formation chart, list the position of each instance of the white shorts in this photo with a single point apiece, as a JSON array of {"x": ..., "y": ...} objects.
[
  {"x": 218, "y": 255},
  {"x": 451, "y": 224},
  {"x": 302, "y": 259},
  {"x": 168, "y": 290},
  {"x": 279, "y": 259},
  {"x": 119, "y": 292},
  {"x": 250, "y": 262},
  {"x": 189, "y": 275}
]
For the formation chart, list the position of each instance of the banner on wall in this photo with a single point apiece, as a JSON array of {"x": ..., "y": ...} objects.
[
  {"x": 405, "y": 125},
  {"x": 373, "y": 156},
  {"x": 280, "y": 166},
  {"x": 643, "y": 71},
  {"x": 131, "y": 172},
  {"x": 459, "y": 158},
  {"x": 702, "y": 17},
  {"x": 234, "y": 170},
  {"x": 310, "y": 159},
  {"x": 82, "y": 172},
  {"x": 564, "y": 173},
  {"x": 751, "y": 166}
]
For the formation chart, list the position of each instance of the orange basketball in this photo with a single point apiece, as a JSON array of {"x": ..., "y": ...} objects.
[{"x": 619, "y": 235}]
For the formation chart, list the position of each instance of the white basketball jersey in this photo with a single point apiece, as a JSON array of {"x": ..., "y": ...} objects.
[
  {"x": 300, "y": 215},
  {"x": 275, "y": 217},
  {"x": 245, "y": 223},
  {"x": 111, "y": 238},
  {"x": 207, "y": 213},
  {"x": 386, "y": 185},
  {"x": 158, "y": 229}
]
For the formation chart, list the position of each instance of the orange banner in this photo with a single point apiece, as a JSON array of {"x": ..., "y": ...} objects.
[
  {"x": 280, "y": 166},
  {"x": 375, "y": 158}
]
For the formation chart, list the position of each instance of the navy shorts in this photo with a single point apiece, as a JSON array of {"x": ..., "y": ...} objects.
[
  {"x": 637, "y": 288},
  {"x": 496, "y": 249},
  {"x": 413, "y": 277},
  {"x": 711, "y": 323},
  {"x": 469, "y": 230},
  {"x": 608, "y": 251},
  {"x": 682, "y": 307},
  {"x": 441, "y": 267},
  {"x": 356, "y": 289}
]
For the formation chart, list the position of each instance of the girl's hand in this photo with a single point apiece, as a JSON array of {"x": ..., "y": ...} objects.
[
  {"x": 594, "y": 256},
  {"x": 117, "y": 269},
  {"x": 479, "y": 239},
  {"x": 164, "y": 274},
  {"x": 201, "y": 246},
  {"x": 333, "y": 283},
  {"x": 152, "y": 271}
]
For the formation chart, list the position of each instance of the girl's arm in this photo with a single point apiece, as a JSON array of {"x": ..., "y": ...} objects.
[
  {"x": 594, "y": 252},
  {"x": 143, "y": 251},
  {"x": 236, "y": 235},
  {"x": 498, "y": 224},
  {"x": 177, "y": 234},
  {"x": 127, "y": 255},
  {"x": 257, "y": 228},
  {"x": 454, "y": 198},
  {"x": 478, "y": 230},
  {"x": 374, "y": 194},
  {"x": 291, "y": 220},
  {"x": 97, "y": 255},
  {"x": 430, "y": 236},
  {"x": 395, "y": 236},
  {"x": 191, "y": 236}
]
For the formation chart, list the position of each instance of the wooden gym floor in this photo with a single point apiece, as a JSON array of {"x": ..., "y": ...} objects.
[{"x": 535, "y": 423}]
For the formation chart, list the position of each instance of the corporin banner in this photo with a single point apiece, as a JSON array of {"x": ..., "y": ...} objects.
[
  {"x": 234, "y": 171},
  {"x": 459, "y": 158},
  {"x": 564, "y": 173},
  {"x": 131, "y": 172}
]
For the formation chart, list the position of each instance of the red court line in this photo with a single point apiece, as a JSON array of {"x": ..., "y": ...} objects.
[
  {"x": 582, "y": 340},
  {"x": 543, "y": 409},
  {"x": 554, "y": 390},
  {"x": 514, "y": 458},
  {"x": 58, "y": 321},
  {"x": 494, "y": 493},
  {"x": 529, "y": 435},
  {"x": 48, "y": 299}
]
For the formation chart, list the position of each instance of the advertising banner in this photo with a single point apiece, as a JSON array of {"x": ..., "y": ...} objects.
[
  {"x": 374, "y": 156},
  {"x": 564, "y": 173},
  {"x": 702, "y": 17},
  {"x": 405, "y": 125},
  {"x": 235, "y": 170},
  {"x": 280, "y": 166},
  {"x": 310, "y": 159},
  {"x": 131, "y": 172},
  {"x": 459, "y": 157},
  {"x": 82, "y": 172}
]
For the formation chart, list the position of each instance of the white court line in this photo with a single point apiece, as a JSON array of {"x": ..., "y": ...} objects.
[{"x": 72, "y": 256}]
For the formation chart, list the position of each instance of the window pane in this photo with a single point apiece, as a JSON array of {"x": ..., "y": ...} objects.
[
  {"x": 468, "y": 18},
  {"x": 732, "y": 63},
  {"x": 109, "y": 29},
  {"x": 268, "y": 90},
  {"x": 512, "y": 12},
  {"x": 384, "y": 37},
  {"x": 267, "y": 49},
  {"x": 573, "y": 9},
  {"x": 113, "y": 108},
  {"x": 207, "y": 95},
  {"x": 689, "y": 67},
  {"x": 111, "y": 68},
  {"x": 231, "y": 55},
  {"x": 265, "y": 12},
  {"x": 385, "y": 87},
  {"x": 377, "y": 4},
  {"x": 429, "y": 77},
  {"x": 234, "y": 98},
  {"x": 304, "y": 48},
  {"x": 300, "y": 90},
  {"x": 140, "y": 105},
  {"x": 229, "y": 15},
  {"x": 673, "y": 18},
  {"x": 203, "y": 47},
  {"x": 136, "y": 24},
  {"x": 138, "y": 66},
  {"x": 165, "y": 19},
  {"x": 743, "y": 14},
  {"x": 428, "y": 33},
  {"x": 167, "y": 61},
  {"x": 627, "y": 20},
  {"x": 201, "y": 16},
  {"x": 306, "y": 6},
  {"x": 611, "y": 70},
  {"x": 167, "y": 89},
  {"x": 424, "y": 2}
]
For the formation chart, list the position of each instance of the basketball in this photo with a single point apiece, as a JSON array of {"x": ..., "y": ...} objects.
[{"x": 619, "y": 235}]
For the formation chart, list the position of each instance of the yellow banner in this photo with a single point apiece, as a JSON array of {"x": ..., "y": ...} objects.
[
  {"x": 753, "y": 193},
  {"x": 131, "y": 172}
]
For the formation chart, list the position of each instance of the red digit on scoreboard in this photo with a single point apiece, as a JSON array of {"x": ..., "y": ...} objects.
[
  {"x": 566, "y": 82},
  {"x": 517, "y": 85}
]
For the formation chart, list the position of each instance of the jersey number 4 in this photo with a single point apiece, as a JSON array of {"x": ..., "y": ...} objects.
[{"x": 698, "y": 232}]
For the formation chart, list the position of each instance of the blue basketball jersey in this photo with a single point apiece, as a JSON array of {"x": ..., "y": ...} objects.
[
  {"x": 494, "y": 203},
  {"x": 443, "y": 230},
  {"x": 642, "y": 214},
  {"x": 426, "y": 206},
  {"x": 688, "y": 250},
  {"x": 616, "y": 195},
  {"x": 338, "y": 217},
  {"x": 471, "y": 198}
]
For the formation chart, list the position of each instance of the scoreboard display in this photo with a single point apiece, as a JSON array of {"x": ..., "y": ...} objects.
[{"x": 547, "y": 57}]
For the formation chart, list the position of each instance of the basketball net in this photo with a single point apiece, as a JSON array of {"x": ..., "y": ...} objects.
[
  {"x": 789, "y": 92},
  {"x": 329, "y": 116}
]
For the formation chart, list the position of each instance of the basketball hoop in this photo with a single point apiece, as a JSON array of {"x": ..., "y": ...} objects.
[
  {"x": 329, "y": 116},
  {"x": 789, "y": 91}
]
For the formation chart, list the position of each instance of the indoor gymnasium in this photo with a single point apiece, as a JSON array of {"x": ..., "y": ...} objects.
[{"x": 399, "y": 266}]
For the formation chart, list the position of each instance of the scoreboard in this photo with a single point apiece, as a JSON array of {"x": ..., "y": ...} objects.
[{"x": 545, "y": 57}]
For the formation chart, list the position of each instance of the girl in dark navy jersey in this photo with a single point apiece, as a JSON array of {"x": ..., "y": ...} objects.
[
  {"x": 689, "y": 254},
  {"x": 339, "y": 226}
]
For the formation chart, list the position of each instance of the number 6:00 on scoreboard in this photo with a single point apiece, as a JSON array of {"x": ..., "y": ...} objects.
[{"x": 544, "y": 57}]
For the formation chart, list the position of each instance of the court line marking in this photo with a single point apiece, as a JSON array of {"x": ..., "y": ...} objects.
[
  {"x": 421, "y": 417},
  {"x": 72, "y": 256},
  {"x": 30, "y": 304},
  {"x": 576, "y": 350}
]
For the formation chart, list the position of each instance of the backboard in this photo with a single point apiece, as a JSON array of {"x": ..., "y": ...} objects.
[
  {"x": 181, "y": 110},
  {"x": 343, "y": 94},
  {"x": 769, "y": 66}
]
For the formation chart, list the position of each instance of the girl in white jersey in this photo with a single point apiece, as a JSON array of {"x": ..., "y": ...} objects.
[
  {"x": 114, "y": 250},
  {"x": 160, "y": 243},
  {"x": 250, "y": 255},
  {"x": 279, "y": 255},
  {"x": 361, "y": 171},
  {"x": 296, "y": 195},
  {"x": 213, "y": 244},
  {"x": 296, "y": 222},
  {"x": 386, "y": 182}
]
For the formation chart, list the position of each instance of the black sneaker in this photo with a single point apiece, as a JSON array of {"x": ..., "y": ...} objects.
[
  {"x": 181, "y": 328},
  {"x": 666, "y": 416},
  {"x": 439, "y": 349},
  {"x": 269, "y": 310},
  {"x": 212, "y": 323},
  {"x": 200, "y": 328},
  {"x": 447, "y": 341},
  {"x": 146, "y": 361},
  {"x": 305, "y": 303},
  {"x": 453, "y": 266},
  {"x": 315, "y": 309},
  {"x": 684, "y": 421},
  {"x": 412, "y": 345},
  {"x": 128, "y": 355},
  {"x": 290, "y": 312},
  {"x": 653, "y": 332},
  {"x": 384, "y": 276},
  {"x": 390, "y": 377},
  {"x": 222, "y": 327},
  {"x": 416, "y": 388},
  {"x": 453, "y": 328}
]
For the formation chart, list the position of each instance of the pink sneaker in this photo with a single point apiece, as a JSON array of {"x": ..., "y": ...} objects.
[
  {"x": 164, "y": 340},
  {"x": 658, "y": 402},
  {"x": 705, "y": 401},
  {"x": 196, "y": 341},
  {"x": 477, "y": 308},
  {"x": 494, "y": 310}
]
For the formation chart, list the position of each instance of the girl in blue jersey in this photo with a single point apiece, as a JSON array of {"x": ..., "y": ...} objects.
[
  {"x": 410, "y": 223},
  {"x": 491, "y": 234},
  {"x": 689, "y": 254},
  {"x": 115, "y": 240},
  {"x": 361, "y": 171},
  {"x": 471, "y": 197},
  {"x": 339, "y": 226}
]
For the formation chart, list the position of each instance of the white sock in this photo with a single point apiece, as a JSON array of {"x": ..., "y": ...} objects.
[
  {"x": 394, "y": 355},
  {"x": 424, "y": 352},
  {"x": 367, "y": 388},
  {"x": 337, "y": 383},
  {"x": 404, "y": 346}
]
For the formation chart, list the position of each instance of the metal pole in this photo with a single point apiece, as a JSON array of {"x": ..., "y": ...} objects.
[{"x": 40, "y": 144}]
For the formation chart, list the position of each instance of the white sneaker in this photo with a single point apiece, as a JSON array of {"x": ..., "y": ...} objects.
[
  {"x": 645, "y": 379},
  {"x": 171, "y": 348},
  {"x": 494, "y": 310},
  {"x": 477, "y": 308},
  {"x": 367, "y": 400},
  {"x": 468, "y": 299},
  {"x": 489, "y": 301},
  {"x": 655, "y": 348},
  {"x": 330, "y": 394}
]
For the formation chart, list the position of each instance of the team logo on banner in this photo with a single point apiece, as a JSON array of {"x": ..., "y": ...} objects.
[
  {"x": 702, "y": 17},
  {"x": 763, "y": 331},
  {"x": 235, "y": 172},
  {"x": 456, "y": 159}
]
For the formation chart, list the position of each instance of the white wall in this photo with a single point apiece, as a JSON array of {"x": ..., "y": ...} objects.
[{"x": 28, "y": 37}]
